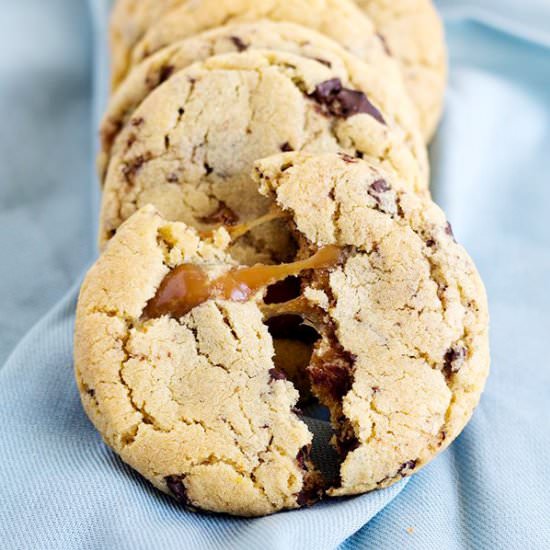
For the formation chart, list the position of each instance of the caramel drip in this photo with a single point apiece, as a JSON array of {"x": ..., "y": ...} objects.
[
  {"x": 188, "y": 286},
  {"x": 237, "y": 231}
]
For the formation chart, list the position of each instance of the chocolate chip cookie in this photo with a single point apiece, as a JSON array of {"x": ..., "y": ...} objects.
[
  {"x": 413, "y": 34},
  {"x": 380, "y": 78},
  {"x": 189, "y": 147},
  {"x": 139, "y": 29},
  {"x": 174, "y": 342}
]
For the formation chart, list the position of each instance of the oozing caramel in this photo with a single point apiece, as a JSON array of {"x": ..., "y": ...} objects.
[
  {"x": 238, "y": 230},
  {"x": 188, "y": 286}
]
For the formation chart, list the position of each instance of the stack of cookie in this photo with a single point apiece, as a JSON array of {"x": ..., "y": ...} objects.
[{"x": 269, "y": 237}]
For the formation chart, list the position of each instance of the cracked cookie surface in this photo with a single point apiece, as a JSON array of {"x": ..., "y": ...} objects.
[
  {"x": 409, "y": 356},
  {"x": 190, "y": 403},
  {"x": 400, "y": 358},
  {"x": 139, "y": 29},
  {"x": 189, "y": 148},
  {"x": 380, "y": 77}
]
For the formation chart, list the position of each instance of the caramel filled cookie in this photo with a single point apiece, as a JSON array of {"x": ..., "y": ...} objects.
[
  {"x": 190, "y": 146},
  {"x": 174, "y": 345}
]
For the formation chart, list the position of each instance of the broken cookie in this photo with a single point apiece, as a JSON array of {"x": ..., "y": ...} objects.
[{"x": 174, "y": 344}]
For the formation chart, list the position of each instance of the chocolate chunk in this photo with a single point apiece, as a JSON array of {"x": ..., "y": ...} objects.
[
  {"x": 177, "y": 488},
  {"x": 326, "y": 91},
  {"x": 283, "y": 291},
  {"x": 343, "y": 102},
  {"x": 312, "y": 490},
  {"x": 132, "y": 167},
  {"x": 223, "y": 215},
  {"x": 430, "y": 243},
  {"x": 137, "y": 122},
  {"x": 303, "y": 456},
  {"x": 406, "y": 467},
  {"x": 130, "y": 141},
  {"x": 333, "y": 372},
  {"x": 239, "y": 44},
  {"x": 276, "y": 374},
  {"x": 379, "y": 186},
  {"x": 454, "y": 359},
  {"x": 349, "y": 159},
  {"x": 165, "y": 73},
  {"x": 208, "y": 169},
  {"x": 286, "y": 147},
  {"x": 347, "y": 445}
]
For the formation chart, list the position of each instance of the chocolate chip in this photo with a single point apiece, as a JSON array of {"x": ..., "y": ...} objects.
[
  {"x": 303, "y": 456},
  {"x": 430, "y": 243},
  {"x": 283, "y": 291},
  {"x": 136, "y": 122},
  {"x": 130, "y": 141},
  {"x": 323, "y": 62},
  {"x": 333, "y": 372},
  {"x": 132, "y": 167},
  {"x": 181, "y": 111},
  {"x": 172, "y": 178},
  {"x": 239, "y": 44},
  {"x": 286, "y": 147},
  {"x": 167, "y": 142},
  {"x": 349, "y": 159},
  {"x": 347, "y": 445},
  {"x": 377, "y": 188},
  {"x": 165, "y": 73},
  {"x": 375, "y": 389},
  {"x": 344, "y": 102},
  {"x": 380, "y": 186},
  {"x": 223, "y": 215},
  {"x": 406, "y": 467},
  {"x": 453, "y": 360},
  {"x": 325, "y": 91},
  {"x": 177, "y": 488},
  {"x": 90, "y": 392},
  {"x": 276, "y": 374},
  {"x": 208, "y": 169}
]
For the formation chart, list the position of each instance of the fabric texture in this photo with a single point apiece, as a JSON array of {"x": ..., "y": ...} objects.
[{"x": 61, "y": 487}]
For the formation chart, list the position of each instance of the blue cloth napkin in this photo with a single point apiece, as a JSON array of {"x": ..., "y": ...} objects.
[{"x": 61, "y": 487}]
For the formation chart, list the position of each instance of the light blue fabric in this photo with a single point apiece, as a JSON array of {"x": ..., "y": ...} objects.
[{"x": 62, "y": 488}]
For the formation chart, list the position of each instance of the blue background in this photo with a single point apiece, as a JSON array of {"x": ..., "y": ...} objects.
[{"x": 62, "y": 488}]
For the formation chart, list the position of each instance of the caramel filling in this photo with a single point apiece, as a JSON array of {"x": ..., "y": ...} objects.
[
  {"x": 237, "y": 231},
  {"x": 188, "y": 285}
]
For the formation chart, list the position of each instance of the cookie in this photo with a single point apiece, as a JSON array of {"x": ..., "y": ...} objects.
[
  {"x": 414, "y": 35},
  {"x": 193, "y": 404},
  {"x": 174, "y": 342},
  {"x": 404, "y": 353},
  {"x": 138, "y": 33},
  {"x": 380, "y": 78},
  {"x": 189, "y": 148}
]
